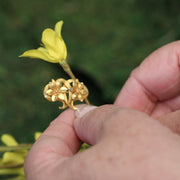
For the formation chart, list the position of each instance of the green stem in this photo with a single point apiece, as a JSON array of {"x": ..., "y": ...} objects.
[
  {"x": 14, "y": 148},
  {"x": 11, "y": 166},
  {"x": 67, "y": 68}
]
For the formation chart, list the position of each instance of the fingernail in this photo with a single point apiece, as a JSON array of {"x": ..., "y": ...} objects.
[{"x": 83, "y": 109}]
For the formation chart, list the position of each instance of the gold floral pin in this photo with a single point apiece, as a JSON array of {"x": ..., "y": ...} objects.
[{"x": 54, "y": 50}]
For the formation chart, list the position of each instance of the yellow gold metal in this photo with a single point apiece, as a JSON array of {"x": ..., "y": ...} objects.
[{"x": 66, "y": 91}]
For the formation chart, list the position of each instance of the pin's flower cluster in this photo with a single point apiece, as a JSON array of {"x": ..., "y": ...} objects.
[{"x": 66, "y": 91}]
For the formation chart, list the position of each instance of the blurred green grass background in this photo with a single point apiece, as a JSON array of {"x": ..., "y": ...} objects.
[{"x": 105, "y": 39}]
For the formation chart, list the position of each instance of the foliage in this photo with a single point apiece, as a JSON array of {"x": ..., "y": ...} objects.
[{"x": 12, "y": 157}]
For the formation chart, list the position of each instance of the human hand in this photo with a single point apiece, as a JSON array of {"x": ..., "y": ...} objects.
[
  {"x": 127, "y": 144},
  {"x": 154, "y": 86}
]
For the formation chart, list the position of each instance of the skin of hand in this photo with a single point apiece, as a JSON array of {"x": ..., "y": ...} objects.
[{"x": 136, "y": 138}]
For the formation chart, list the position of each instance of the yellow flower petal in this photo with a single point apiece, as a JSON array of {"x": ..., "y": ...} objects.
[
  {"x": 40, "y": 53},
  {"x": 46, "y": 53},
  {"x": 12, "y": 157},
  {"x": 49, "y": 38},
  {"x": 54, "y": 49},
  {"x": 62, "y": 50},
  {"x": 54, "y": 45},
  {"x": 58, "y": 28},
  {"x": 36, "y": 135},
  {"x": 8, "y": 140}
]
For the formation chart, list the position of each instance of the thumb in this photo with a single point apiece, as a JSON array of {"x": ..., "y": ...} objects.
[
  {"x": 84, "y": 126},
  {"x": 94, "y": 123}
]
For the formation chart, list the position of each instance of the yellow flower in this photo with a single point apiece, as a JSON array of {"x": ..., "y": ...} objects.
[
  {"x": 12, "y": 160},
  {"x": 36, "y": 135},
  {"x": 54, "y": 49},
  {"x": 8, "y": 140}
]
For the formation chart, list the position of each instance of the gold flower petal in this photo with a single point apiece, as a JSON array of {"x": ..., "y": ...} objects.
[{"x": 54, "y": 98}]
